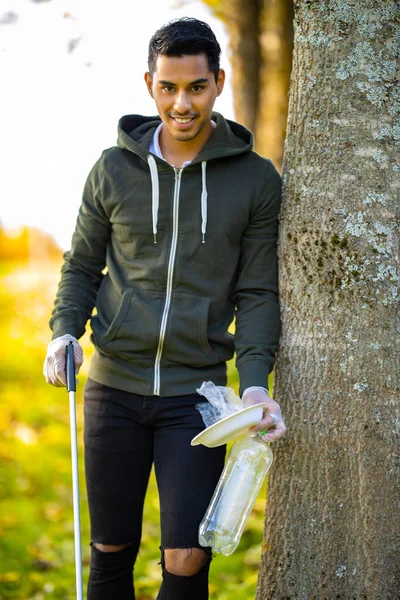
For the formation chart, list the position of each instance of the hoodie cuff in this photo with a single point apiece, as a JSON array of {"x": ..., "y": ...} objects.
[
  {"x": 253, "y": 372},
  {"x": 62, "y": 326}
]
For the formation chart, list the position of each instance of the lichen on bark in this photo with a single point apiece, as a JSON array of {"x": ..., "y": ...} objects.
[{"x": 330, "y": 532}]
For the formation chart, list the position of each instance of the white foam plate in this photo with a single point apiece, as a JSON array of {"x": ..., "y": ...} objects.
[{"x": 229, "y": 428}]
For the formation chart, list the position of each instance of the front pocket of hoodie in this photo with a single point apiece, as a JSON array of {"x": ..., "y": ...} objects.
[
  {"x": 186, "y": 339},
  {"x": 132, "y": 332},
  {"x": 120, "y": 315}
]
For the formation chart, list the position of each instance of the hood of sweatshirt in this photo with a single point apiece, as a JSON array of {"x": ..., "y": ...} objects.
[{"x": 135, "y": 133}]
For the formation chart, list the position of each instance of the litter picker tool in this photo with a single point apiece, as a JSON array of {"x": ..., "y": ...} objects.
[{"x": 71, "y": 388}]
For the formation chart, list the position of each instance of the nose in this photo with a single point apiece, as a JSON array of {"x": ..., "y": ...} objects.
[{"x": 182, "y": 102}]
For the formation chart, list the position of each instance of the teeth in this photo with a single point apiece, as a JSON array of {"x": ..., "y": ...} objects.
[{"x": 182, "y": 120}]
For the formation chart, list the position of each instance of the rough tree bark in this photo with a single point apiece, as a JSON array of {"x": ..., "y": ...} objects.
[{"x": 332, "y": 525}]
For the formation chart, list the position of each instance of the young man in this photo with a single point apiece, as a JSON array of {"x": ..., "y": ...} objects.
[{"x": 184, "y": 216}]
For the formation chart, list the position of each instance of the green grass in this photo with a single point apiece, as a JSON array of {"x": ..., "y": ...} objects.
[{"x": 36, "y": 516}]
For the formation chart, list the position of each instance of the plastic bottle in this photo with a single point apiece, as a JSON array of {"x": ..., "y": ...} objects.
[{"x": 244, "y": 472}]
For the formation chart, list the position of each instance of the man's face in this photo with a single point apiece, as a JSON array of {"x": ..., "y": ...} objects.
[{"x": 184, "y": 90}]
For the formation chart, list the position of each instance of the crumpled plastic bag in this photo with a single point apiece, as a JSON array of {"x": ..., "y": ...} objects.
[{"x": 222, "y": 402}]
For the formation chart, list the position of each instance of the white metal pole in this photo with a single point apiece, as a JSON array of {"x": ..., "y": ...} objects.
[
  {"x": 75, "y": 492},
  {"x": 71, "y": 387}
]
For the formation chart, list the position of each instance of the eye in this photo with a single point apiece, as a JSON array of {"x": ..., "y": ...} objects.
[
  {"x": 197, "y": 88},
  {"x": 168, "y": 88}
]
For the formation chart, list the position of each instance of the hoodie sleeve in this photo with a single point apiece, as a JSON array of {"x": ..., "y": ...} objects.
[
  {"x": 81, "y": 273},
  {"x": 256, "y": 291}
]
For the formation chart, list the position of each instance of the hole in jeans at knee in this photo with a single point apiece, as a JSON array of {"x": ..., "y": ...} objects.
[
  {"x": 185, "y": 561},
  {"x": 109, "y": 548}
]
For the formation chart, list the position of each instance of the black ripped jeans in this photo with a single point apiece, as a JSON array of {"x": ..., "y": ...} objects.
[{"x": 125, "y": 434}]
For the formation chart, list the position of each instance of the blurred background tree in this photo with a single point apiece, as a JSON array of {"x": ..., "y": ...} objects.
[
  {"x": 261, "y": 41},
  {"x": 27, "y": 243}
]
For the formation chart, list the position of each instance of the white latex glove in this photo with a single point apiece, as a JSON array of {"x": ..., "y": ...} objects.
[
  {"x": 272, "y": 421},
  {"x": 54, "y": 363}
]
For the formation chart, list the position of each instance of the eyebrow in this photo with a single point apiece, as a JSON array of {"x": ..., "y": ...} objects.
[{"x": 201, "y": 80}]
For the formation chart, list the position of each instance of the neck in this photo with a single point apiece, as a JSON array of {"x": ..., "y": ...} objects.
[{"x": 176, "y": 152}]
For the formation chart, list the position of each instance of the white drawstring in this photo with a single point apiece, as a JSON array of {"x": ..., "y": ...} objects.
[
  {"x": 203, "y": 202},
  {"x": 155, "y": 196}
]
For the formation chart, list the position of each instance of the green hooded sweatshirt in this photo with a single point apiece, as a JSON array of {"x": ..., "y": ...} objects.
[{"x": 163, "y": 259}]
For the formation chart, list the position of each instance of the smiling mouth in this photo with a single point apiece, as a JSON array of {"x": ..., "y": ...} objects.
[{"x": 182, "y": 120}]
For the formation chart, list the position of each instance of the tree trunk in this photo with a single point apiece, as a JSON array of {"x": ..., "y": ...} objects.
[
  {"x": 241, "y": 18},
  {"x": 260, "y": 40},
  {"x": 276, "y": 39},
  {"x": 332, "y": 525}
]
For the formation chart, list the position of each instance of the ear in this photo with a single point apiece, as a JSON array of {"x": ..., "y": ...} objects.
[
  {"x": 220, "y": 81},
  {"x": 149, "y": 83}
]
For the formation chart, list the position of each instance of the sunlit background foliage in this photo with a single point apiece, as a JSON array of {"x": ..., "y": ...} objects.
[{"x": 36, "y": 514}]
